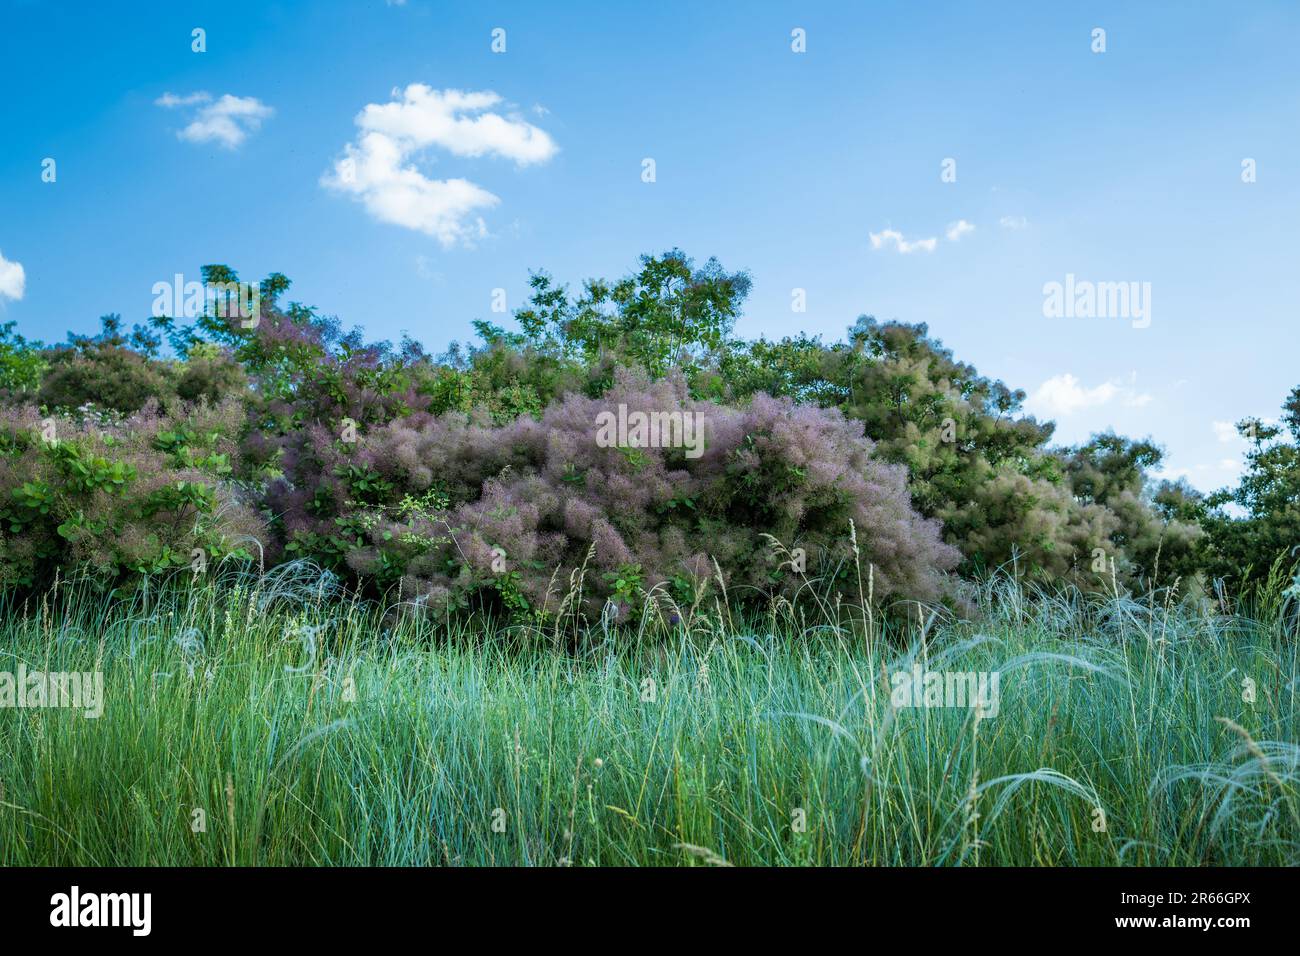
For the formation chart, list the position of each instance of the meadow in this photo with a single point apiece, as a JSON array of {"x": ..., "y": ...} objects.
[
  {"x": 265, "y": 720},
  {"x": 621, "y": 588}
]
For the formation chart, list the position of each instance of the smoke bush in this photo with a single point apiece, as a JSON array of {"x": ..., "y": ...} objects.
[{"x": 451, "y": 506}]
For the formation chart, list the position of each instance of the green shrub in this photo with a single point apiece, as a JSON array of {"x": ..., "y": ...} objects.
[
  {"x": 111, "y": 499},
  {"x": 22, "y": 364},
  {"x": 317, "y": 398},
  {"x": 1257, "y": 524},
  {"x": 104, "y": 371}
]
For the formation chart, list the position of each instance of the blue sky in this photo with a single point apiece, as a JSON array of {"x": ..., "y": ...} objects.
[{"x": 1119, "y": 166}]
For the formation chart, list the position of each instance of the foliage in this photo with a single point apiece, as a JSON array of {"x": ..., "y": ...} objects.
[
  {"x": 976, "y": 463},
  {"x": 114, "y": 499},
  {"x": 669, "y": 316},
  {"x": 102, "y": 372},
  {"x": 22, "y": 363},
  {"x": 534, "y": 505},
  {"x": 330, "y": 421},
  {"x": 1244, "y": 548},
  {"x": 122, "y": 372},
  {"x": 1152, "y": 531}
]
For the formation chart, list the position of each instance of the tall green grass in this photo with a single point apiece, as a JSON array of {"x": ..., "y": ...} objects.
[{"x": 265, "y": 723}]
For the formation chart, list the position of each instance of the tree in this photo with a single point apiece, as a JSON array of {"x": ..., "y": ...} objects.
[
  {"x": 22, "y": 363},
  {"x": 1244, "y": 546}
]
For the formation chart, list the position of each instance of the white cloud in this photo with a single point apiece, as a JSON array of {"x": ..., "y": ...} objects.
[
  {"x": 13, "y": 280},
  {"x": 958, "y": 229},
  {"x": 879, "y": 240},
  {"x": 227, "y": 120},
  {"x": 1013, "y": 222},
  {"x": 458, "y": 122},
  {"x": 170, "y": 100},
  {"x": 1064, "y": 395},
  {"x": 1205, "y": 475},
  {"x": 1225, "y": 431},
  {"x": 379, "y": 168}
]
